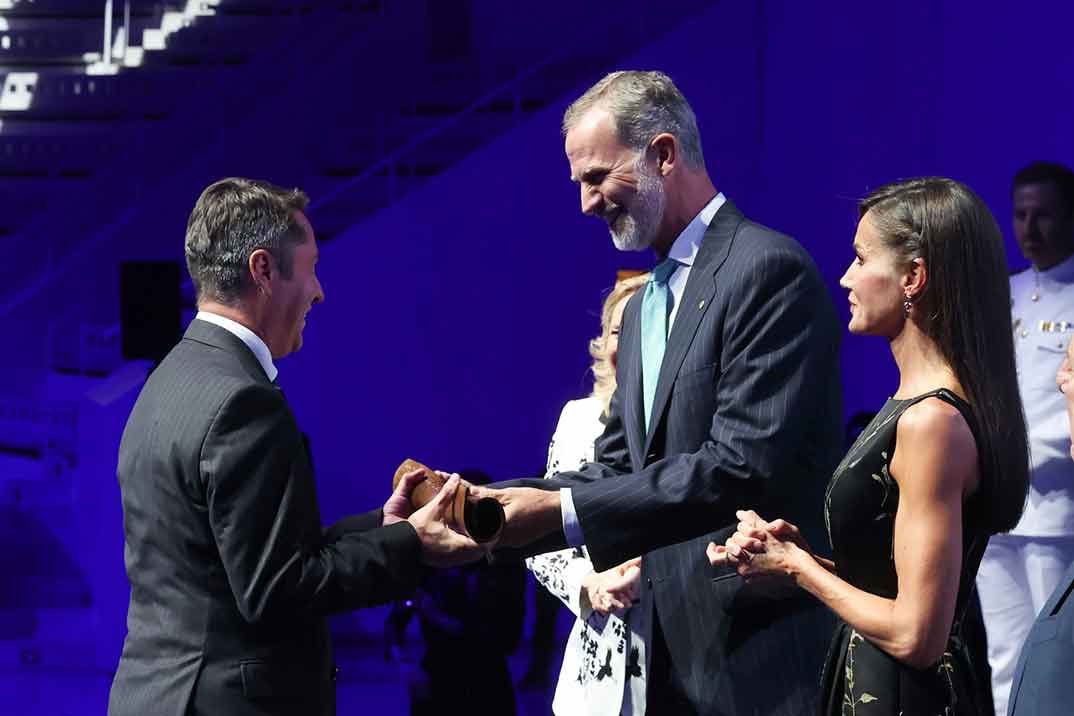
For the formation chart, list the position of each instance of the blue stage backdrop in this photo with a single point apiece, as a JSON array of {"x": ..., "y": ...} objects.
[{"x": 457, "y": 317}]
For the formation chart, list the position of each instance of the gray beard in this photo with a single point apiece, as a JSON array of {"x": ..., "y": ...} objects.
[{"x": 638, "y": 227}]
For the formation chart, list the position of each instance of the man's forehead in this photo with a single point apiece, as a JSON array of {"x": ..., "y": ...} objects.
[
  {"x": 1036, "y": 193},
  {"x": 591, "y": 140}
]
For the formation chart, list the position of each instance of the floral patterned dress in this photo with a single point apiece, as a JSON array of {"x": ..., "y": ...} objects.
[
  {"x": 604, "y": 661},
  {"x": 859, "y": 678}
]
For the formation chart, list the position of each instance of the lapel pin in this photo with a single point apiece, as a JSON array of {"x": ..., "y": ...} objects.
[{"x": 700, "y": 304}]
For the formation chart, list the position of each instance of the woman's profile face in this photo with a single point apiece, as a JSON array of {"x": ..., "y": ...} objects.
[
  {"x": 611, "y": 341},
  {"x": 874, "y": 283}
]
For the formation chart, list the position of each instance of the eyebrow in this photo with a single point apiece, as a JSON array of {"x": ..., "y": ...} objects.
[{"x": 587, "y": 175}]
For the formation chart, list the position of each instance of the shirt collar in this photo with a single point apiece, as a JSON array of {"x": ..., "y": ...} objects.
[
  {"x": 688, "y": 243},
  {"x": 1062, "y": 272},
  {"x": 244, "y": 334}
]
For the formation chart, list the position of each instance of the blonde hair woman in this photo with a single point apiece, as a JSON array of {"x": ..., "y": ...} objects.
[{"x": 603, "y": 664}]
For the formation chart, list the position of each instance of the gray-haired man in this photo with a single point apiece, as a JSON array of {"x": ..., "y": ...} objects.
[{"x": 728, "y": 392}]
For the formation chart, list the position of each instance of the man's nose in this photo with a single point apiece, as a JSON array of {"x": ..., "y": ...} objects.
[{"x": 591, "y": 201}]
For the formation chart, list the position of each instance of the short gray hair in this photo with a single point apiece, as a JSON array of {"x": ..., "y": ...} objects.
[
  {"x": 233, "y": 218},
  {"x": 642, "y": 105}
]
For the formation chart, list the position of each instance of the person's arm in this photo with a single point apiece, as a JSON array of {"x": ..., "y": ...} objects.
[
  {"x": 353, "y": 523},
  {"x": 262, "y": 512},
  {"x": 935, "y": 465},
  {"x": 778, "y": 350}
]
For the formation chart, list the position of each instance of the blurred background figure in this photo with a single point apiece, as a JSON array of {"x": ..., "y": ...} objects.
[
  {"x": 1022, "y": 568},
  {"x": 543, "y": 642},
  {"x": 603, "y": 665},
  {"x": 471, "y": 620}
]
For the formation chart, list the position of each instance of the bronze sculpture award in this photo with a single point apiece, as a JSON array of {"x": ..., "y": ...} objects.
[{"x": 482, "y": 520}]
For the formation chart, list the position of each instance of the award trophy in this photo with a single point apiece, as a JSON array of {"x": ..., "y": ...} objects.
[{"x": 482, "y": 520}]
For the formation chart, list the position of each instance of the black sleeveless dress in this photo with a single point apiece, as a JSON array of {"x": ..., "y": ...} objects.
[{"x": 859, "y": 508}]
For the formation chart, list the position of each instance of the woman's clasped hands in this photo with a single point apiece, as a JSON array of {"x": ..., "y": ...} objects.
[{"x": 761, "y": 549}]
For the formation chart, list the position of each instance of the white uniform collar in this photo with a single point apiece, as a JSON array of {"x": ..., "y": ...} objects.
[{"x": 1062, "y": 273}]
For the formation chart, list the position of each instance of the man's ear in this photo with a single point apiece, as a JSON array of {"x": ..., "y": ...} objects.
[
  {"x": 262, "y": 268},
  {"x": 665, "y": 147},
  {"x": 916, "y": 279}
]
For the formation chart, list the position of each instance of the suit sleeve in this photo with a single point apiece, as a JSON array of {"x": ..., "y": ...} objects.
[
  {"x": 353, "y": 523},
  {"x": 779, "y": 338},
  {"x": 262, "y": 510}
]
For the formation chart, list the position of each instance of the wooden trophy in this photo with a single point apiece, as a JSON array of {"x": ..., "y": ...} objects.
[{"x": 482, "y": 520}]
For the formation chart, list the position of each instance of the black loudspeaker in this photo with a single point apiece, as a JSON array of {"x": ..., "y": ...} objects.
[{"x": 149, "y": 308}]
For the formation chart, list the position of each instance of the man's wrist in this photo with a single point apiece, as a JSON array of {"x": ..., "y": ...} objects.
[{"x": 551, "y": 512}]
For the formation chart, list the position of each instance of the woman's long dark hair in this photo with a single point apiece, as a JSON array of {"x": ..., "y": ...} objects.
[{"x": 965, "y": 308}]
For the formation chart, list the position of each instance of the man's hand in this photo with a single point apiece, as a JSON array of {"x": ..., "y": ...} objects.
[
  {"x": 530, "y": 513},
  {"x": 1064, "y": 379},
  {"x": 441, "y": 545},
  {"x": 398, "y": 507},
  {"x": 614, "y": 589}
]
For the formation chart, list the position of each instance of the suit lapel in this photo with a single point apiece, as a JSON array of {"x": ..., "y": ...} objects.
[
  {"x": 696, "y": 299},
  {"x": 630, "y": 380}
]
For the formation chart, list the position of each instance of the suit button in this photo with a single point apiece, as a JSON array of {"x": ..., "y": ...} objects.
[
  {"x": 649, "y": 581},
  {"x": 651, "y": 456}
]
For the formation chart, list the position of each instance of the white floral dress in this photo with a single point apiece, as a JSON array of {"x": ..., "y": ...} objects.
[{"x": 604, "y": 665}]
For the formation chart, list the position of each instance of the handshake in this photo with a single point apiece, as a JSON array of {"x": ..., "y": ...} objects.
[{"x": 458, "y": 522}]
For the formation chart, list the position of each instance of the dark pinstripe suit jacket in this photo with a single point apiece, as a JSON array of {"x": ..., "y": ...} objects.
[
  {"x": 1042, "y": 683},
  {"x": 746, "y": 414},
  {"x": 231, "y": 575}
]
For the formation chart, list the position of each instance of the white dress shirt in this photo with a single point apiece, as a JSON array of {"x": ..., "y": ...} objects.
[
  {"x": 244, "y": 334},
  {"x": 684, "y": 252}
]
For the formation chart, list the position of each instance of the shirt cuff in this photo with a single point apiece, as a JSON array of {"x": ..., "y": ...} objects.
[{"x": 572, "y": 528}]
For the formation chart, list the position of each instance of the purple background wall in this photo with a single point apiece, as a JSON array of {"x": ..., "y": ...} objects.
[{"x": 456, "y": 319}]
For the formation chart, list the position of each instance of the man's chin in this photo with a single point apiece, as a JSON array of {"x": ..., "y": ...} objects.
[{"x": 629, "y": 243}]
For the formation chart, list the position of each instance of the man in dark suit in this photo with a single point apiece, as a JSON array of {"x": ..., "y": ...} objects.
[
  {"x": 231, "y": 574},
  {"x": 728, "y": 393}
]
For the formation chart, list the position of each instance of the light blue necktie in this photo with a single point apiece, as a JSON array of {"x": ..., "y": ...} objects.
[{"x": 655, "y": 305}]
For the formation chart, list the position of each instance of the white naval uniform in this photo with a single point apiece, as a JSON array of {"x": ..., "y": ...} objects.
[{"x": 1020, "y": 569}]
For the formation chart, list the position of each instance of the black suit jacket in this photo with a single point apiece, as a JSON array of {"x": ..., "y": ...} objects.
[
  {"x": 746, "y": 414},
  {"x": 231, "y": 576}
]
